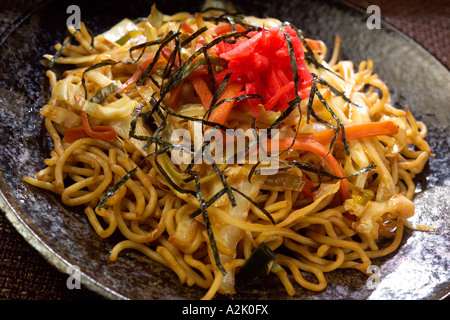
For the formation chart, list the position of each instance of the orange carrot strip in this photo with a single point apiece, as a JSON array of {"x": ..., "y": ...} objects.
[
  {"x": 73, "y": 134},
  {"x": 166, "y": 53},
  {"x": 138, "y": 73},
  {"x": 202, "y": 90},
  {"x": 314, "y": 44},
  {"x": 174, "y": 96},
  {"x": 307, "y": 188},
  {"x": 355, "y": 132},
  {"x": 107, "y": 134},
  {"x": 187, "y": 28},
  {"x": 226, "y": 27},
  {"x": 316, "y": 147},
  {"x": 221, "y": 112}
]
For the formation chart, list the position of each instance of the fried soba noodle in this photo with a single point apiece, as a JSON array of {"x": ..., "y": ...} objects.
[{"x": 346, "y": 156}]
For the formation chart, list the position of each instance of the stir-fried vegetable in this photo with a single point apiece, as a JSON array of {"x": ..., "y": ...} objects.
[
  {"x": 316, "y": 147},
  {"x": 355, "y": 132},
  {"x": 103, "y": 133},
  {"x": 258, "y": 264}
]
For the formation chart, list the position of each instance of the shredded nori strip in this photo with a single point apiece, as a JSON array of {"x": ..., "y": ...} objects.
[
  {"x": 184, "y": 72},
  {"x": 337, "y": 92},
  {"x": 91, "y": 33},
  {"x": 210, "y": 70},
  {"x": 266, "y": 213},
  {"x": 193, "y": 36},
  {"x": 339, "y": 122},
  {"x": 93, "y": 67},
  {"x": 293, "y": 60},
  {"x": 225, "y": 184},
  {"x": 103, "y": 93},
  {"x": 143, "y": 45},
  {"x": 129, "y": 174},
  {"x": 170, "y": 36},
  {"x": 208, "y": 203},
  {"x": 116, "y": 187},
  {"x": 216, "y": 94},
  {"x": 208, "y": 226},
  {"x": 60, "y": 50},
  {"x": 309, "y": 54}
]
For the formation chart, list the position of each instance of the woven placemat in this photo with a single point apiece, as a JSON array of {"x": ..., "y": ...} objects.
[
  {"x": 427, "y": 22},
  {"x": 25, "y": 275}
]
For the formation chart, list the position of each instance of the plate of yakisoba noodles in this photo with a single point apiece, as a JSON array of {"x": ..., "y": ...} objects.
[{"x": 261, "y": 150}]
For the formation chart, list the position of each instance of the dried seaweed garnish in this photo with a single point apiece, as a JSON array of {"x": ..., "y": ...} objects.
[
  {"x": 339, "y": 122},
  {"x": 130, "y": 174},
  {"x": 309, "y": 54},
  {"x": 172, "y": 59},
  {"x": 193, "y": 36},
  {"x": 216, "y": 94},
  {"x": 293, "y": 61},
  {"x": 111, "y": 191},
  {"x": 60, "y": 50},
  {"x": 210, "y": 70},
  {"x": 208, "y": 227},
  {"x": 266, "y": 213},
  {"x": 225, "y": 184},
  {"x": 132, "y": 131},
  {"x": 103, "y": 93},
  {"x": 93, "y": 67},
  {"x": 237, "y": 98},
  {"x": 91, "y": 34},
  {"x": 310, "y": 111},
  {"x": 257, "y": 138},
  {"x": 134, "y": 119},
  {"x": 209, "y": 202},
  {"x": 337, "y": 92},
  {"x": 184, "y": 71},
  {"x": 143, "y": 45},
  {"x": 170, "y": 36}
]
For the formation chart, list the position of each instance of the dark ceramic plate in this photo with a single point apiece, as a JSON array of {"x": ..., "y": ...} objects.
[{"x": 418, "y": 270}]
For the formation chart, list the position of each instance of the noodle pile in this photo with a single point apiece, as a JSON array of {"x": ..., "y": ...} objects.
[{"x": 110, "y": 119}]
